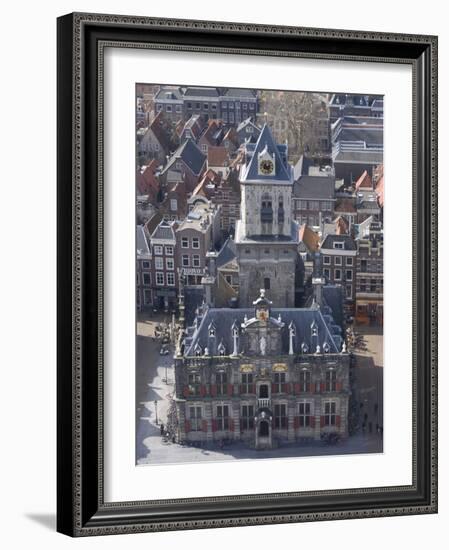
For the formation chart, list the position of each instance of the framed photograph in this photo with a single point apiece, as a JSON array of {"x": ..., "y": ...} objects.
[{"x": 247, "y": 277}]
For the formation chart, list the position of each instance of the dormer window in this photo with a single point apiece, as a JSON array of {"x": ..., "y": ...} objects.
[
  {"x": 314, "y": 329},
  {"x": 212, "y": 331},
  {"x": 339, "y": 245}
]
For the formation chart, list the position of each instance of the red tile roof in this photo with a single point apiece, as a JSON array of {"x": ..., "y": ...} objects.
[
  {"x": 364, "y": 181},
  {"x": 217, "y": 156},
  {"x": 146, "y": 181},
  {"x": 341, "y": 226},
  {"x": 309, "y": 237},
  {"x": 345, "y": 205},
  {"x": 159, "y": 131},
  {"x": 380, "y": 191}
]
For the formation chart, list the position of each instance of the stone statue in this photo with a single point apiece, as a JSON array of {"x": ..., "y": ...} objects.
[{"x": 263, "y": 345}]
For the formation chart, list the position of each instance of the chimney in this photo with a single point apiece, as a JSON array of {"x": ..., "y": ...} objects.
[
  {"x": 317, "y": 284},
  {"x": 211, "y": 257}
]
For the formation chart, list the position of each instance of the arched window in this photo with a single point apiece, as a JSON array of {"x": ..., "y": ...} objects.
[
  {"x": 266, "y": 211},
  {"x": 281, "y": 212}
]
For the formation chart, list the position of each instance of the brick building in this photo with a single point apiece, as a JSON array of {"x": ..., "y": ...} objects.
[
  {"x": 338, "y": 262},
  {"x": 144, "y": 291},
  {"x": 164, "y": 274},
  {"x": 196, "y": 235},
  {"x": 369, "y": 276},
  {"x": 232, "y": 105}
]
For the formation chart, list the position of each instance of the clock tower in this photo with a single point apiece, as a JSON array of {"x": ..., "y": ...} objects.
[{"x": 266, "y": 235}]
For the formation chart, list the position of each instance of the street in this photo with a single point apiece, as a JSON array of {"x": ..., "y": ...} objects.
[
  {"x": 368, "y": 373},
  {"x": 151, "y": 372}
]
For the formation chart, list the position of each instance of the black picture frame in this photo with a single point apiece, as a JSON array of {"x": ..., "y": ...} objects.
[{"x": 81, "y": 510}]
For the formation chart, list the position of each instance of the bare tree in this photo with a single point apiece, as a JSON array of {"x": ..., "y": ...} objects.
[{"x": 294, "y": 117}]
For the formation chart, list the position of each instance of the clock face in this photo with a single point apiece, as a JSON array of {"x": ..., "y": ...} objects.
[{"x": 266, "y": 166}]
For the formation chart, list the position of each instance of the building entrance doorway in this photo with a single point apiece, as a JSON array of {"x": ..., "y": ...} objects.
[{"x": 264, "y": 429}]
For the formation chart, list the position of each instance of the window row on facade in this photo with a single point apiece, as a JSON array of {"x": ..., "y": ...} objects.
[
  {"x": 304, "y": 417},
  {"x": 314, "y": 205},
  {"x": 338, "y": 274},
  {"x": 338, "y": 260},
  {"x": 279, "y": 384}
]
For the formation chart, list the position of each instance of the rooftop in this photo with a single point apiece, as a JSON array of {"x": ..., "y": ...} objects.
[
  {"x": 314, "y": 187},
  {"x": 313, "y": 327},
  {"x": 331, "y": 239},
  {"x": 190, "y": 154},
  {"x": 199, "y": 218},
  {"x": 265, "y": 145}
]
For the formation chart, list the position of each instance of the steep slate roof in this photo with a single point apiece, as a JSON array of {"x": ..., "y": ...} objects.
[
  {"x": 240, "y": 92},
  {"x": 190, "y": 154},
  {"x": 333, "y": 303},
  {"x": 250, "y": 171},
  {"x": 192, "y": 91},
  {"x": 163, "y": 231},
  {"x": 301, "y": 168},
  {"x": 193, "y": 298},
  {"x": 355, "y": 155},
  {"x": 174, "y": 90},
  {"x": 141, "y": 241},
  {"x": 314, "y": 187},
  {"x": 348, "y": 242},
  {"x": 245, "y": 123},
  {"x": 227, "y": 253},
  {"x": 195, "y": 124},
  {"x": 302, "y": 318},
  {"x": 369, "y": 135}
]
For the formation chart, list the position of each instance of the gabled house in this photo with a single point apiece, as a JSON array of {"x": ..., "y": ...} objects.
[
  {"x": 313, "y": 194},
  {"x": 338, "y": 261},
  {"x": 247, "y": 130},
  {"x": 211, "y": 136},
  {"x": 218, "y": 160},
  {"x": 187, "y": 164},
  {"x": 164, "y": 266},
  {"x": 154, "y": 141},
  {"x": 192, "y": 129},
  {"x": 144, "y": 291},
  {"x": 147, "y": 181}
]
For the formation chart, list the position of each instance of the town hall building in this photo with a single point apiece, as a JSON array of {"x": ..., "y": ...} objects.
[{"x": 263, "y": 375}]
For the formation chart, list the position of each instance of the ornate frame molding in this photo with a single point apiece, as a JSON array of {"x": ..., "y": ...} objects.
[{"x": 81, "y": 43}]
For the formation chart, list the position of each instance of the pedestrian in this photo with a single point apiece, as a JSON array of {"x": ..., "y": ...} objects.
[{"x": 162, "y": 429}]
